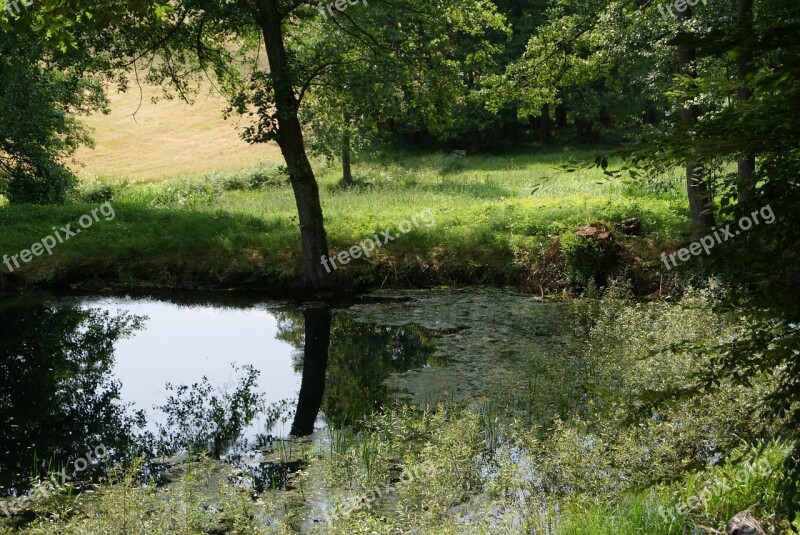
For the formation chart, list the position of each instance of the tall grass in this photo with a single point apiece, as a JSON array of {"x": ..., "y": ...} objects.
[{"x": 241, "y": 228}]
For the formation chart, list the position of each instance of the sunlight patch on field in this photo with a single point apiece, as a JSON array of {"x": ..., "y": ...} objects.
[{"x": 166, "y": 139}]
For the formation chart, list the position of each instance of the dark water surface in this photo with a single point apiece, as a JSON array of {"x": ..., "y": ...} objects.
[{"x": 84, "y": 371}]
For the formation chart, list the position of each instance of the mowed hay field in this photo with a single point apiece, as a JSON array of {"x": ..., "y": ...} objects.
[{"x": 166, "y": 139}]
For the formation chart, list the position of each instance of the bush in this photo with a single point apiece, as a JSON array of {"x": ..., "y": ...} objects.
[
  {"x": 50, "y": 185},
  {"x": 252, "y": 179},
  {"x": 96, "y": 192},
  {"x": 197, "y": 191},
  {"x": 590, "y": 260}
]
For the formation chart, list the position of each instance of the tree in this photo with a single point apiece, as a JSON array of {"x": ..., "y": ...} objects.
[
  {"x": 54, "y": 60},
  {"x": 289, "y": 136},
  {"x": 700, "y": 205},
  {"x": 37, "y": 128},
  {"x": 418, "y": 74},
  {"x": 761, "y": 264},
  {"x": 202, "y": 38},
  {"x": 744, "y": 67}
]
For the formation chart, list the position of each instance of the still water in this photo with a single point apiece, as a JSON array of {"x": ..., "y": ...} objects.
[{"x": 160, "y": 373}]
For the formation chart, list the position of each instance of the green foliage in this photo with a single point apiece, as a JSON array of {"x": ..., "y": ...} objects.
[
  {"x": 201, "y": 501},
  {"x": 37, "y": 129},
  {"x": 193, "y": 231},
  {"x": 479, "y": 467},
  {"x": 54, "y": 60},
  {"x": 590, "y": 260},
  {"x": 98, "y": 191},
  {"x": 190, "y": 192},
  {"x": 730, "y": 129},
  {"x": 65, "y": 28},
  {"x": 202, "y": 419},
  {"x": 633, "y": 514}
]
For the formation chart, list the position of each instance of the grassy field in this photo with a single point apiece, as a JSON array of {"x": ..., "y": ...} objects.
[
  {"x": 240, "y": 227},
  {"x": 140, "y": 140}
]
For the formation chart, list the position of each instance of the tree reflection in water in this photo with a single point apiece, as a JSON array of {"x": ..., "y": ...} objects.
[
  {"x": 58, "y": 399},
  {"x": 344, "y": 364},
  {"x": 361, "y": 356}
]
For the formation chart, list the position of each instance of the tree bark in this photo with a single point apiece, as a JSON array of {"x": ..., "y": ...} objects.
[
  {"x": 347, "y": 172},
  {"x": 290, "y": 139},
  {"x": 744, "y": 64},
  {"x": 315, "y": 365},
  {"x": 650, "y": 114},
  {"x": 561, "y": 116},
  {"x": 544, "y": 126},
  {"x": 696, "y": 184}
]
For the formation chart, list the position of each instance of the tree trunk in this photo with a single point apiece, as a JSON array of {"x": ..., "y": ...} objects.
[
  {"x": 315, "y": 365},
  {"x": 744, "y": 64},
  {"x": 696, "y": 184},
  {"x": 347, "y": 172},
  {"x": 544, "y": 126},
  {"x": 290, "y": 139},
  {"x": 650, "y": 114},
  {"x": 561, "y": 116}
]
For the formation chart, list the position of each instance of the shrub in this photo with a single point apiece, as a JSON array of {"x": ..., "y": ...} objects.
[
  {"x": 95, "y": 192},
  {"x": 590, "y": 260},
  {"x": 252, "y": 179},
  {"x": 48, "y": 185}
]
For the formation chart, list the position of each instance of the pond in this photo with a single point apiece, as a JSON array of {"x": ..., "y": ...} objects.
[{"x": 159, "y": 373}]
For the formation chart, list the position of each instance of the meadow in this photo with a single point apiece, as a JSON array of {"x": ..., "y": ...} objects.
[
  {"x": 495, "y": 218},
  {"x": 197, "y": 207}
]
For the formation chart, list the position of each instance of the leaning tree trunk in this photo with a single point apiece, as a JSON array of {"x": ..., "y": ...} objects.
[
  {"x": 290, "y": 139},
  {"x": 347, "y": 171},
  {"x": 744, "y": 64},
  {"x": 696, "y": 184}
]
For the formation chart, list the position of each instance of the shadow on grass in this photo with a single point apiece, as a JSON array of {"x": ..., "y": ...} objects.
[
  {"x": 161, "y": 246},
  {"x": 516, "y": 159}
]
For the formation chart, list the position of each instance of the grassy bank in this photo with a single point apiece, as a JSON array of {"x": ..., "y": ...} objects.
[{"x": 240, "y": 228}]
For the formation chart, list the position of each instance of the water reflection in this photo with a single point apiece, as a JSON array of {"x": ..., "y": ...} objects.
[
  {"x": 315, "y": 365},
  {"x": 360, "y": 357},
  {"x": 344, "y": 366},
  {"x": 68, "y": 367},
  {"x": 58, "y": 397}
]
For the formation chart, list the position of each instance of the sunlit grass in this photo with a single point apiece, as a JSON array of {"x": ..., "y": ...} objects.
[
  {"x": 217, "y": 229},
  {"x": 140, "y": 140}
]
